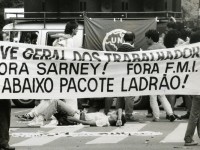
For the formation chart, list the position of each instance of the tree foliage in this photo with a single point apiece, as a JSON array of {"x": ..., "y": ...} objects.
[{"x": 190, "y": 9}]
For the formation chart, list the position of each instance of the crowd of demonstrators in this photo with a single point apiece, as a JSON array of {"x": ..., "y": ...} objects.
[
  {"x": 5, "y": 112},
  {"x": 66, "y": 111}
]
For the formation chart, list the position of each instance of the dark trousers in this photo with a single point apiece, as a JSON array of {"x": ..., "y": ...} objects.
[{"x": 5, "y": 110}]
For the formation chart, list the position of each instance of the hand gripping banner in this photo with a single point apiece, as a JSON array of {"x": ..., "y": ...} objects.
[{"x": 43, "y": 72}]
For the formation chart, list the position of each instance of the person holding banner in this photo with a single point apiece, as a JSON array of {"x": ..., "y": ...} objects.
[
  {"x": 61, "y": 40},
  {"x": 194, "y": 119},
  {"x": 170, "y": 41},
  {"x": 127, "y": 103},
  {"x": 66, "y": 39},
  {"x": 5, "y": 111},
  {"x": 152, "y": 38}
]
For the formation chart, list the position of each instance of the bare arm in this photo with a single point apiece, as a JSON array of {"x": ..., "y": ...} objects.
[
  {"x": 92, "y": 123},
  {"x": 60, "y": 35},
  {"x": 119, "y": 117}
]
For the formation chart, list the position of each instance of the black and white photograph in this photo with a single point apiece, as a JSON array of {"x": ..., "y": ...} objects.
[{"x": 99, "y": 74}]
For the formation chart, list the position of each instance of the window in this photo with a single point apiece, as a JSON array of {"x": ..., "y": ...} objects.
[
  {"x": 29, "y": 37},
  {"x": 14, "y": 36},
  {"x": 82, "y": 6},
  {"x": 124, "y": 5}
]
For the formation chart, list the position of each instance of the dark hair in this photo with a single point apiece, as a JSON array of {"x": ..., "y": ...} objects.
[
  {"x": 171, "y": 25},
  {"x": 152, "y": 34},
  {"x": 195, "y": 37},
  {"x": 70, "y": 26},
  {"x": 129, "y": 36},
  {"x": 184, "y": 34},
  {"x": 170, "y": 39}
]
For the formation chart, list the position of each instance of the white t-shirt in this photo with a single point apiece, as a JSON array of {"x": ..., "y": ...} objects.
[
  {"x": 65, "y": 40},
  {"x": 99, "y": 118}
]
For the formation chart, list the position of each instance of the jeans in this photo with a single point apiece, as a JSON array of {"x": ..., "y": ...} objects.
[
  {"x": 5, "y": 109},
  {"x": 127, "y": 103},
  {"x": 154, "y": 105},
  {"x": 194, "y": 120},
  {"x": 58, "y": 106}
]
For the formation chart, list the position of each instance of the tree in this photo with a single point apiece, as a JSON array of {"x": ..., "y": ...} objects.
[{"x": 190, "y": 9}]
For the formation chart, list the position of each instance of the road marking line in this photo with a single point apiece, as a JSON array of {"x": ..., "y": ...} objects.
[
  {"x": 39, "y": 141},
  {"x": 177, "y": 135},
  {"x": 13, "y": 129},
  {"x": 22, "y": 111},
  {"x": 113, "y": 139}
]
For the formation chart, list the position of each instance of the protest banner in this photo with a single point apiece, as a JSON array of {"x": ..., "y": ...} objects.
[
  {"x": 44, "y": 72},
  {"x": 107, "y": 34}
]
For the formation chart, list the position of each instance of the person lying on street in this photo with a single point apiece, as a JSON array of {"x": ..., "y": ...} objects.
[{"x": 68, "y": 116}]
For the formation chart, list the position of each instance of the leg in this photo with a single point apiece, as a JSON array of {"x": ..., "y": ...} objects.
[
  {"x": 129, "y": 101},
  {"x": 188, "y": 102},
  {"x": 193, "y": 120},
  {"x": 5, "y": 110},
  {"x": 166, "y": 105},
  {"x": 172, "y": 100},
  {"x": 40, "y": 108},
  {"x": 108, "y": 104},
  {"x": 154, "y": 106},
  {"x": 58, "y": 106}
]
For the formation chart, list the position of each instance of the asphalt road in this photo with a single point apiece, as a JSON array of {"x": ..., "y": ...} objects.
[{"x": 141, "y": 135}]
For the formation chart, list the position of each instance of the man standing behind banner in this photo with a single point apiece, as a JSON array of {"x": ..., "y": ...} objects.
[
  {"x": 152, "y": 38},
  {"x": 61, "y": 40},
  {"x": 194, "y": 119},
  {"x": 66, "y": 40},
  {"x": 126, "y": 102},
  {"x": 5, "y": 110}
]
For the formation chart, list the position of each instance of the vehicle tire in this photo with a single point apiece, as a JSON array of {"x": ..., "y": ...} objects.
[
  {"x": 24, "y": 103},
  {"x": 141, "y": 102}
]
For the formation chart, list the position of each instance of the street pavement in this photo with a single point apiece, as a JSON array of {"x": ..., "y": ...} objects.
[{"x": 141, "y": 135}]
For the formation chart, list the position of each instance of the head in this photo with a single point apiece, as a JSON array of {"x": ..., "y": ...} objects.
[
  {"x": 4, "y": 36},
  {"x": 184, "y": 34},
  {"x": 195, "y": 37},
  {"x": 170, "y": 26},
  {"x": 171, "y": 38},
  {"x": 129, "y": 37},
  {"x": 152, "y": 36},
  {"x": 71, "y": 28},
  {"x": 113, "y": 118}
]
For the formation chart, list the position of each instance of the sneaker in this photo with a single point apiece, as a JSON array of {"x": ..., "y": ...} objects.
[
  {"x": 25, "y": 117},
  {"x": 37, "y": 121},
  {"x": 186, "y": 116},
  {"x": 177, "y": 117},
  {"x": 193, "y": 143},
  {"x": 172, "y": 118},
  {"x": 156, "y": 120}
]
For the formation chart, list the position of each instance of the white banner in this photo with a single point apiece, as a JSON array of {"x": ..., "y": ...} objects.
[{"x": 42, "y": 72}]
